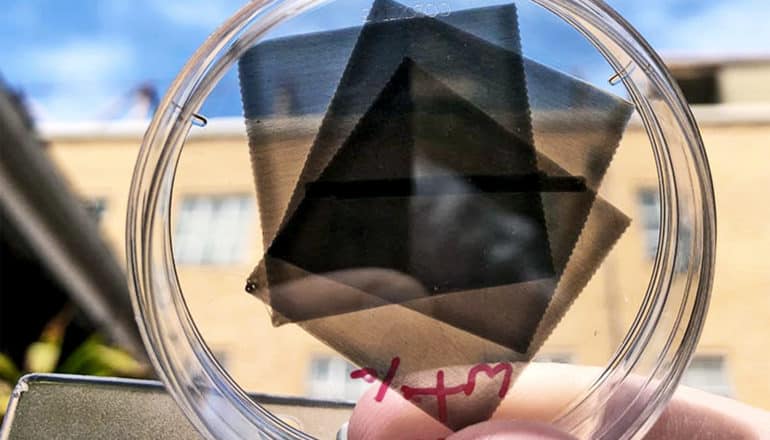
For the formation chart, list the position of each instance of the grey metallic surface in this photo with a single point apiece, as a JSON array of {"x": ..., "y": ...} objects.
[{"x": 76, "y": 407}]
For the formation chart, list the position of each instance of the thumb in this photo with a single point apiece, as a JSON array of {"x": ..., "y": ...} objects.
[{"x": 510, "y": 430}]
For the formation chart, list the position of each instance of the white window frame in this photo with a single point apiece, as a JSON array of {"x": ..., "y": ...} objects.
[
  {"x": 555, "y": 357},
  {"x": 649, "y": 204},
  {"x": 96, "y": 208},
  {"x": 213, "y": 229},
  {"x": 713, "y": 380},
  {"x": 650, "y": 207},
  {"x": 333, "y": 380}
]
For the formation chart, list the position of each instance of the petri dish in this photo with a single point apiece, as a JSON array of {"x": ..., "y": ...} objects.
[{"x": 467, "y": 205}]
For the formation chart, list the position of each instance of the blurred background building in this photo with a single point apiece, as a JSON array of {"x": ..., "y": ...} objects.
[{"x": 216, "y": 245}]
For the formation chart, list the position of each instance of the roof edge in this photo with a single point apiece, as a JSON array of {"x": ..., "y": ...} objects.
[
  {"x": 133, "y": 129},
  {"x": 736, "y": 114},
  {"x": 706, "y": 115}
]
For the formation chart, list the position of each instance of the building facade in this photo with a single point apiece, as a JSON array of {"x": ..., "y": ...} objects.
[{"x": 217, "y": 242}]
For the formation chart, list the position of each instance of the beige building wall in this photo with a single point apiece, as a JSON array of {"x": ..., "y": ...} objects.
[
  {"x": 99, "y": 164},
  {"x": 745, "y": 82}
]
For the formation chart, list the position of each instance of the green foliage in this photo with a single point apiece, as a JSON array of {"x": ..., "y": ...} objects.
[
  {"x": 8, "y": 374},
  {"x": 93, "y": 357},
  {"x": 5, "y": 396},
  {"x": 42, "y": 357},
  {"x": 8, "y": 371}
]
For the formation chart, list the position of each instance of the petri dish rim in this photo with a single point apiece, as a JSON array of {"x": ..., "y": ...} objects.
[{"x": 217, "y": 406}]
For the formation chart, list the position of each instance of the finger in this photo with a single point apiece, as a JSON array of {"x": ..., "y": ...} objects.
[
  {"x": 695, "y": 414},
  {"x": 544, "y": 391},
  {"x": 393, "y": 417},
  {"x": 510, "y": 429},
  {"x": 541, "y": 392}
]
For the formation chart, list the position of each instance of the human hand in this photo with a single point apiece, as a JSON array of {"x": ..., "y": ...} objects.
[{"x": 538, "y": 398}]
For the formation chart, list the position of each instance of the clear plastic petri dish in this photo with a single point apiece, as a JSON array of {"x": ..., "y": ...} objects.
[{"x": 486, "y": 209}]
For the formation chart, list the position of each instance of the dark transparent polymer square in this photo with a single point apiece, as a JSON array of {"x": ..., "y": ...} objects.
[{"x": 437, "y": 138}]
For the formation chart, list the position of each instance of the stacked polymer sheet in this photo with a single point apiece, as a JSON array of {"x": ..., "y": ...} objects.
[{"x": 427, "y": 194}]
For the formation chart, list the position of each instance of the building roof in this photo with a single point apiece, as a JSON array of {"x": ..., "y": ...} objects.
[
  {"x": 706, "y": 115},
  {"x": 682, "y": 62}
]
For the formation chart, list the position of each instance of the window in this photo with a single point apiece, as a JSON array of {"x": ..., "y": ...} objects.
[
  {"x": 222, "y": 356},
  {"x": 213, "y": 229},
  {"x": 554, "y": 358},
  {"x": 699, "y": 84},
  {"x": 95, "y": 208},
  {"x": 649, "y": 201},
  {"x": 708, "y": 373},
  {"x": 329, "y": 378},
  {"x": 650, "y": 206}
]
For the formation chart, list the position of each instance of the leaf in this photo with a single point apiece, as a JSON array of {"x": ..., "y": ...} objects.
[
  {"x": 5, "y": 396},
  {"x": 78, "y": 361},
  {"x": 93, "y": 357},
  {"x": 119, "y": 362},
  {"x": 54, "y": 331},
  {"x": 42, "y": 357},
  {"x": 8, "y": 370}
]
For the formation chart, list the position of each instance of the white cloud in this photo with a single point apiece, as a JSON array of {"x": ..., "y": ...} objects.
[
  {"x": 80, "y": 60},
  {"x": 80, "y": 77},
  {"x": 76, "y": 102},
  {"x": 711, "y": 28}
]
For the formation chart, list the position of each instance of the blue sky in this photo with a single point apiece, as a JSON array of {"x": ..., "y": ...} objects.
[{"x": 76, "y": 59}]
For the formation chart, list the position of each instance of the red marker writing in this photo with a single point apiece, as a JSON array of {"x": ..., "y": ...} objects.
[
  {"x": 440, "y": 391},
  {"x": 370, "y": 375}
]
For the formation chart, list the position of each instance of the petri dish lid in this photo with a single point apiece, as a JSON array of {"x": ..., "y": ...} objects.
[{"x": 460, "y": 205}]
